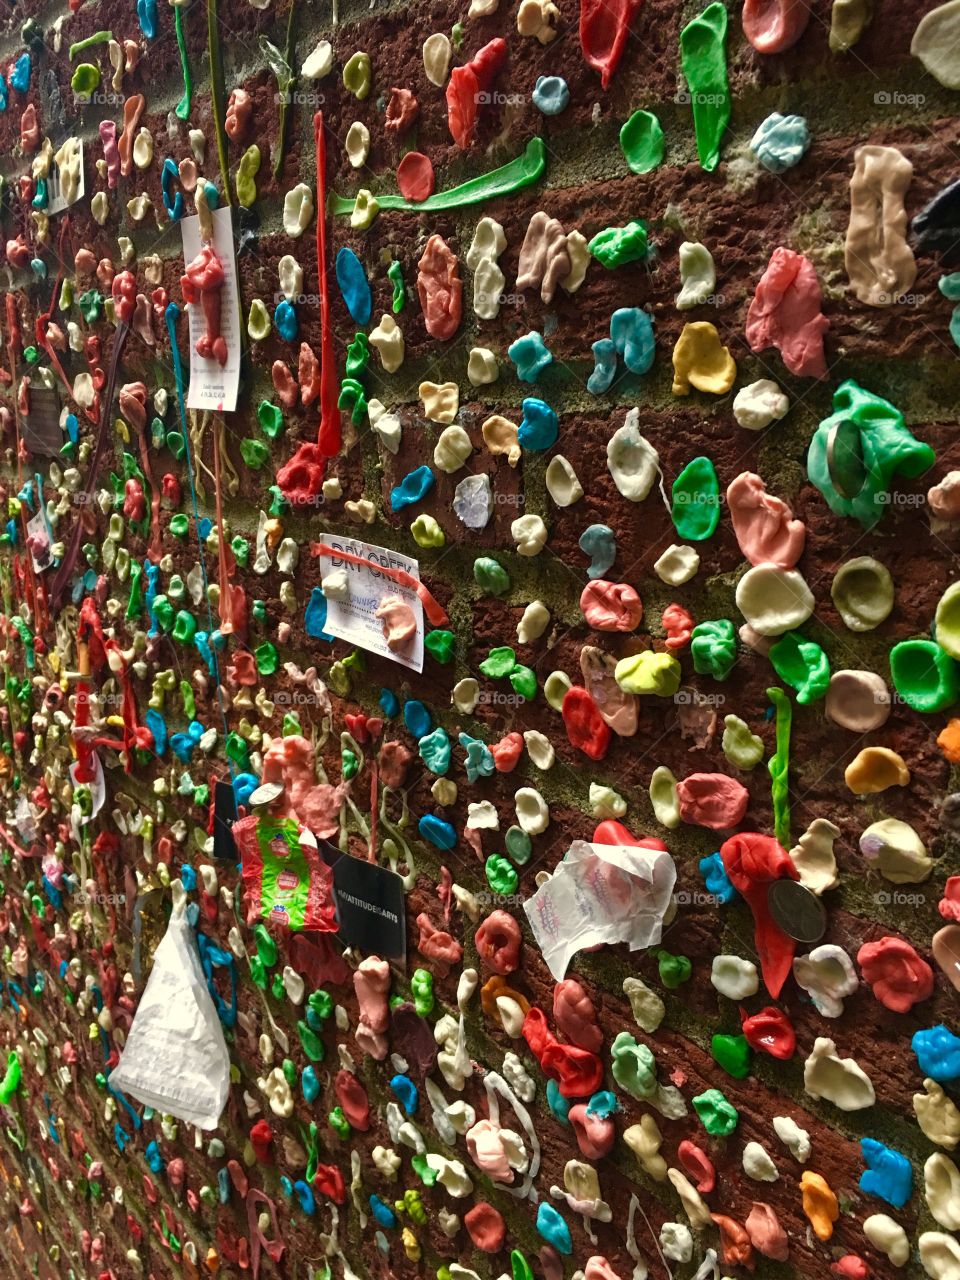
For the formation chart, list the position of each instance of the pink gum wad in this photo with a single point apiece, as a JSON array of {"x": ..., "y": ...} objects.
[
  {"x": 290, "y": 762},
  {"x": 785, "y": 313},
  {"x": 371, "y": 982},
  {"x": 440, "y": 289},
  {"x": 764, "y": 525}
]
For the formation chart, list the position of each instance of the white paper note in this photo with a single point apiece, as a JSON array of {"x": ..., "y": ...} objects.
[
  {"x": 212, "y": 386},
  {"x": 601, "y": 893},
  {"x": 354, "y": 619}
]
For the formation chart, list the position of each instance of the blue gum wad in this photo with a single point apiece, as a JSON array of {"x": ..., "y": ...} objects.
[
  {"x": 631, "y": 332},
  {"x": 598, "y": 542},
  {"x": 417, "y": 718},
  {"x": 20, "y": 75},
  {"x": 551, "y": 95},
  {"x": 531, "y": 355},
  {"x": 938, "y": 1053},
  {"x": 354, "y": 286},
  {"x": 716, "y": 879},
  {"x": 889, "y": 449},
  {"x": 411, "y": 488},
  {"x": 479, "y": 762},
  {"x": 406, "y": 1093},
  {"x": 703, "y": 60},
  {"x": 780, "y": 142},
  {"x": 435, "y": 750},
  {"x": 604, "y": 367},
  {"x": 949, "y": 286},
  {"x": 315, "y": 617},
  {"x": 539, "y": 426},
  {"x": 558, "y": 1104},
  {"x": 438, "y": 832},
  {"x": 888, "y": 1175},
  {"x": 285, "y": 320},
  {"x": 554, "y": 1230}
]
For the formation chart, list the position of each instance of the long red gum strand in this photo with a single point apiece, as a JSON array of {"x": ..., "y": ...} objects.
[{"x": 329, "y": 437}]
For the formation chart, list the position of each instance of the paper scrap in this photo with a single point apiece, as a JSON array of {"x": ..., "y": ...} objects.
[
  {"x": 601, "y": 893},
  {"x": 353, "y": 619},
  {"x": 213, "y": 386}
]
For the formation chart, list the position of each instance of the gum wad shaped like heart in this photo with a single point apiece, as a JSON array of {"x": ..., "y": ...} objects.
[{"x": 887, "y": 448}]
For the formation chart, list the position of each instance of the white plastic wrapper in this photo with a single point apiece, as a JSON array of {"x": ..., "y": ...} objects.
[
  {"x": 175, "y": 1058},
  {"x": 601, "y": 893}
]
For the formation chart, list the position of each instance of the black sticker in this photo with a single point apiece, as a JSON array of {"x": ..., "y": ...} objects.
[
  {"x": 370, "y": 907},
  {"x": 224, "y": 816}
]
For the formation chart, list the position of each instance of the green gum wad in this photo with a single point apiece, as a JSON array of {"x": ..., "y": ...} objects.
[
  {"x": 703, "y": 61},
  {"x": 499, "y": 662},
  {"x": 634, "y": 1066},
  {"x": 357, "y": 77},
  {"x": 270, "y": 417},
  {"x": 520, "y": 172},
  {"x": 254, "y": 453},
  {"x": 674, "y": 970},
  {"x": 395, "y": 276},
  {"x": 695, "y": 510},
  {"x": 501, "y": 876},
  {"x": 421, "y": 987},
  {"x": 246, "y": 173},
  {"x": 716, "y": 1114},
  {"x": 732, "y": 1053},
  {"x": 490, "y": 576},
  {"x": 779, "y": 767},
  {"x": 740, "y": 745},
  {"x": 713, "y": 647},
  {"x": 924, "y": 675},
  {"x": 641, "y": 141},
  {"x": 440, "y": 645},
  {"x": 339, "y": 1122},
  {"x": 888, "y": 449},
  {"x": 616, "y": 246},
  {"x": 803, "y": 665}
]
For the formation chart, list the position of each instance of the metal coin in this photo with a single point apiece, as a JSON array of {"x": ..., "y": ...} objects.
[
  {"x": 266, "y": 793},
  {"x": 799, "y": 913},
  {"x": 845, "y": 462}
]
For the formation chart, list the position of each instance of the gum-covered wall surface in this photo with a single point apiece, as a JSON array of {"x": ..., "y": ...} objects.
[{"x": 480, "y": 639}]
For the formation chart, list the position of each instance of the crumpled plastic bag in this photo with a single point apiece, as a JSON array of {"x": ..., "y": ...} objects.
[{"x": 175, "y": 1058}]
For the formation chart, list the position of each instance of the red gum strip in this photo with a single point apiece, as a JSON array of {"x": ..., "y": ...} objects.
[
  {"x": 328, "y": 440},
  {"x": 604, "y": 27}
]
